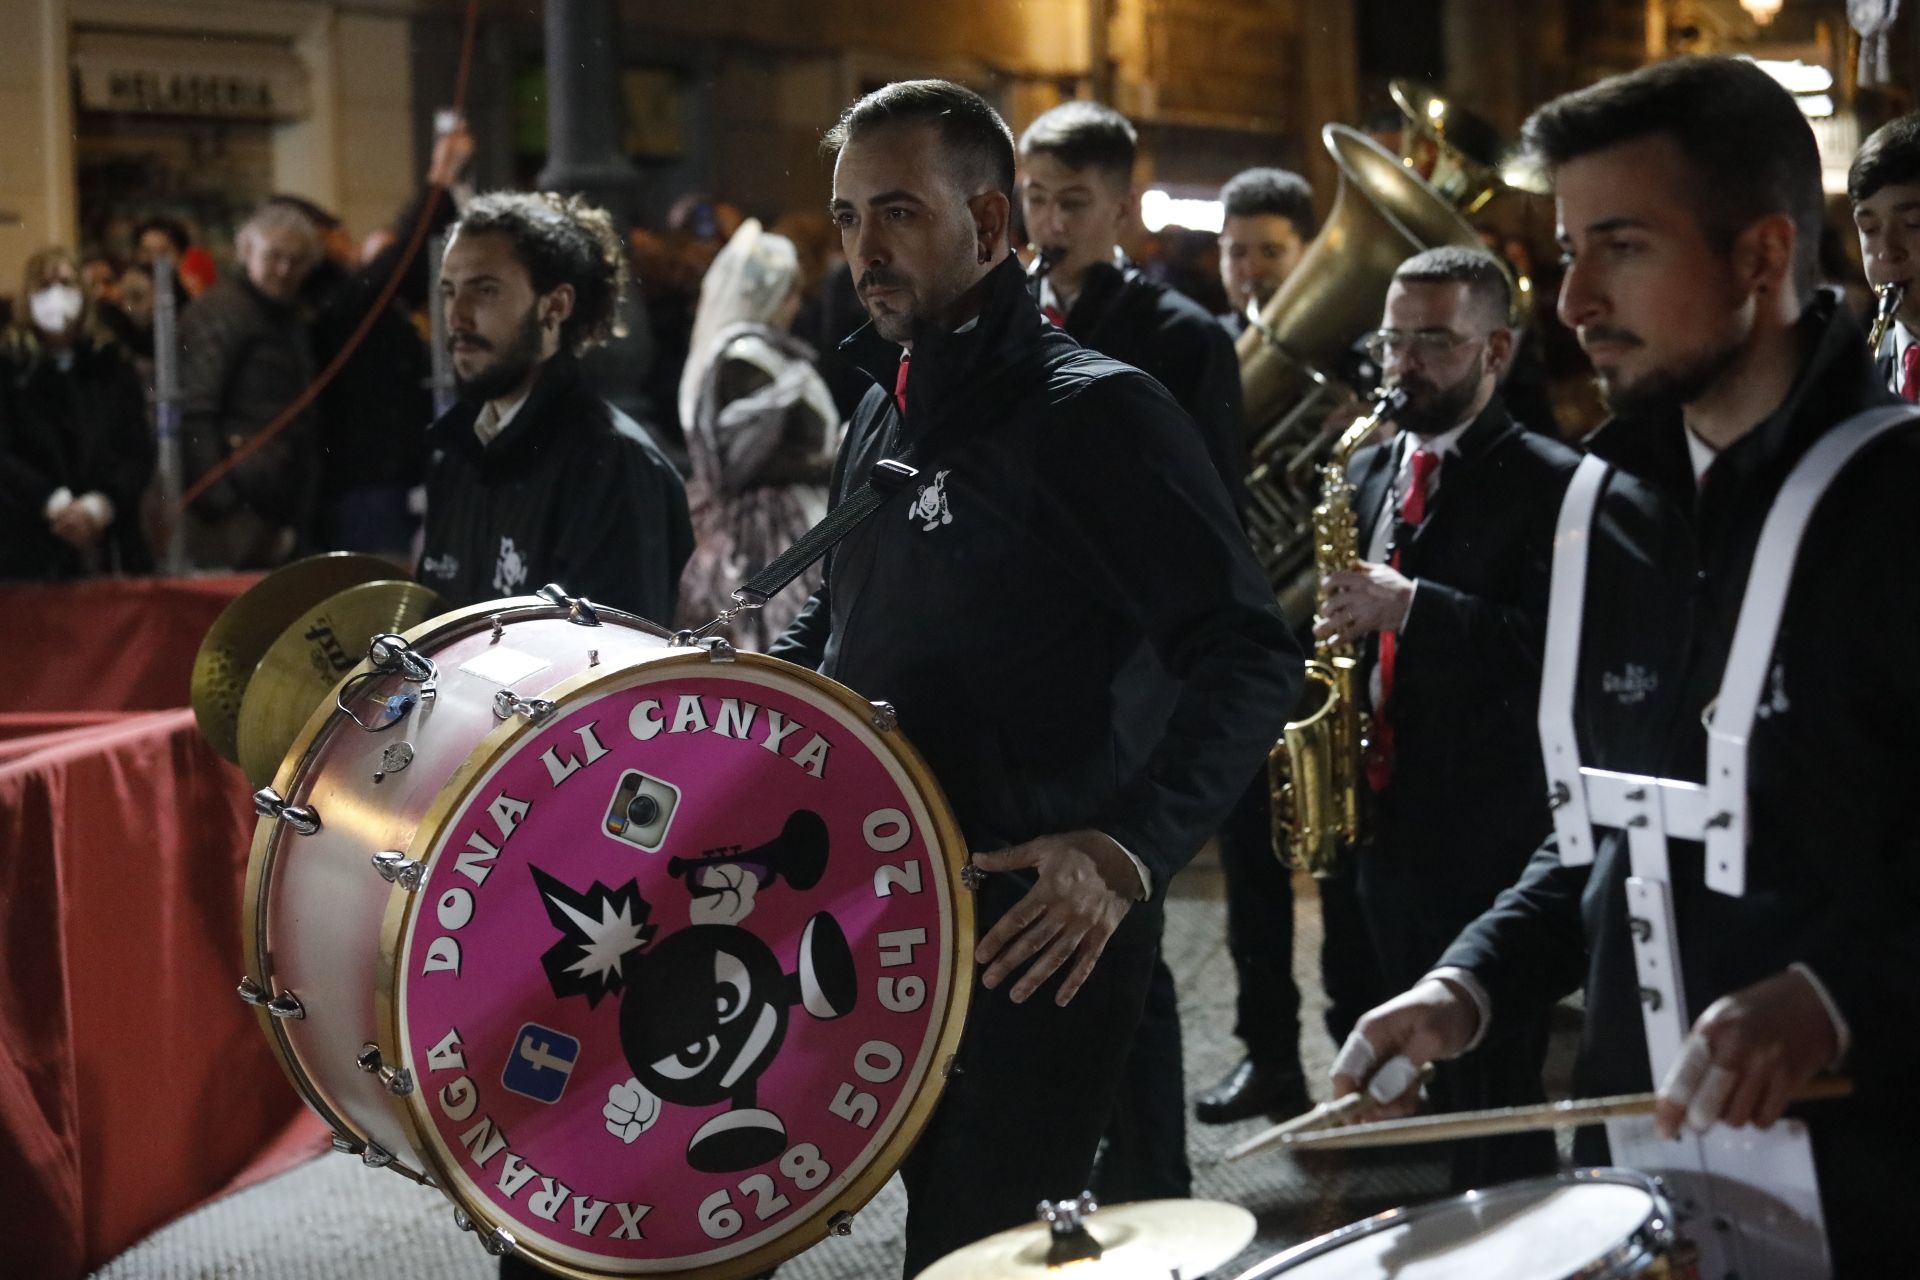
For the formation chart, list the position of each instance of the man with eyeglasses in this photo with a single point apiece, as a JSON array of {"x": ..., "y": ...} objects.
[{"x": 1456, "y": 516}]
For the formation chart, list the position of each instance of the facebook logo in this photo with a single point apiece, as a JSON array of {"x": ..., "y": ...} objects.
[{"x": 541, "y": 1063}]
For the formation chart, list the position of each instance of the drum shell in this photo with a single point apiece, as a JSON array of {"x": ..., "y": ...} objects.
[
  {"x": 1649, "y": 1251},
  {"x": 315, "y": 904},
  {"x": 435, "y": 845}
]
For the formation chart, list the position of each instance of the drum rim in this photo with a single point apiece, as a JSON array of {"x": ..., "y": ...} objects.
[
  {"x": 816, "y": 1224},
  {"x": 1641, "y": 1249},
  {"x": 264, "y": 853}
]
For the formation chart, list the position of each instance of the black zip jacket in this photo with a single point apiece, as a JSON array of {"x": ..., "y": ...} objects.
[
  {"x": 1832, "y": 877},
  {"x": 572, "y": 492},
  {"x": 84, "y": 429},
  {"x": 1066, "y": 515},
  {"x": 1168, "y": 336}
]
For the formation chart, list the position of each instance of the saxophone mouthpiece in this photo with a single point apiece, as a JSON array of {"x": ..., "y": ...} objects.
[
  {"x": 1887, "y": 299},
  {"x": 1389, "y": 400}
]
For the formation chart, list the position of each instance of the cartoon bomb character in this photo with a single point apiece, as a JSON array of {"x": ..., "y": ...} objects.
[{"x": 704, "y": 1010}]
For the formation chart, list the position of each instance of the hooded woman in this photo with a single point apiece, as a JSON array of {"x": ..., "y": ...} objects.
[{"x": 761, "y": 433}]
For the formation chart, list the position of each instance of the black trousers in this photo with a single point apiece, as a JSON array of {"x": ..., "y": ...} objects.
[
  {"x": 1022, "y": 1116},
  {"x": 1413, "y": 917},
  {"x": 1145, "y": 1156},
  {"x": 1260, "y": 940}
]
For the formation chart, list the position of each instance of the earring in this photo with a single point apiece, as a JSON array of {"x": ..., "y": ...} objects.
[{"x": 984, "y": 255}]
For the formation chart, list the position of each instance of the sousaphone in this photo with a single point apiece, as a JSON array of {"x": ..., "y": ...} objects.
[{"x": 1291, "y": 352}]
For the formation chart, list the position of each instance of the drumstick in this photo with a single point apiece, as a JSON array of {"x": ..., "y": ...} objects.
[
  {"x": 1498, "y": 1120},
  {"x": 1346, "y": 1111}
]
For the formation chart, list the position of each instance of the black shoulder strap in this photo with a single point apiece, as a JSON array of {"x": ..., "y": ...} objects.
[{"x": 992, "y": 397}]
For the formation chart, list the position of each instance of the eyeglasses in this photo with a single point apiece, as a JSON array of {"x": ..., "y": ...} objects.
[{"x": 1427, "y": 344}]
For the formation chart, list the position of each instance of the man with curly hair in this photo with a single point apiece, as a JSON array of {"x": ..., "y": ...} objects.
[{"x": 532, "y": 478}]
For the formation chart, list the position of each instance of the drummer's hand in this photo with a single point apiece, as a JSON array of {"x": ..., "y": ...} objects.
[
  {"x": 1390, "y": 1043},
  {"x": 1747, "y": 1055},
  {"x": 1086, "y": 884}
]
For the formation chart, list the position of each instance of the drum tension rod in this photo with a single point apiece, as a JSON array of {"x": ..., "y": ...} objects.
[
  {"x": 284, "y": 1005},
  {"x": 304, "y": 819},
  {"x": 397, "y": 868},
  {"x": 398, "y": 1080}
]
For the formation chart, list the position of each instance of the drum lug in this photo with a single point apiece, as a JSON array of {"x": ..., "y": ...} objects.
[
  {"x": 507, "y": 704},
  {"x": 840, "y": 1224},
  {"x": 398, "y": 1080},
  {"x": 376, "y": 1156},
  {"x": 580, "y": 610},
  {"x": 951, "y": 1067},
  {"x": 885, "y": 718},
  {"x": 348, "y": 1146},
  {"x": 283, "y": 1005},
  {"x": 718, "y": 649},
  {"x": 497, "y": 1242},
  {"x": 397, "y": 868},
  {"x": 303, "y": 819},
  {"x": 971, "y": 878}
]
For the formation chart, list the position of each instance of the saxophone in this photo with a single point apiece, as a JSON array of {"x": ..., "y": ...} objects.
[
  {"x": 1314, "y": 772},
  {"x": 1887, "y": 299}
]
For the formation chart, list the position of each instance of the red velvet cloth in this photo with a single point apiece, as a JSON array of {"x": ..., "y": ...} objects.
[
  {"x": 108, "y": 644},
  {"x": 133, "y": 1082}
]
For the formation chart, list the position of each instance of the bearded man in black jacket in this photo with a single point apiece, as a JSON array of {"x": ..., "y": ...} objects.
[
  {"x": 1690, "y": 207},
  {"x": 532, "y": 478},
  {"x": 1066, "y": 518}
]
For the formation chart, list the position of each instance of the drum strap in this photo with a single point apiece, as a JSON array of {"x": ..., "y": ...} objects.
[{"x": 987, "y": 400}]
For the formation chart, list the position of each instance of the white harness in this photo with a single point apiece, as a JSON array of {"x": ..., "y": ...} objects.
[{"x": 1751, "y": 1196}]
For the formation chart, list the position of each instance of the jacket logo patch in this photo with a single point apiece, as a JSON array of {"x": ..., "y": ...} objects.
[
  {"x": 1631, "y": 686},
  {"x": 931, "y": 505},
  {"x": 511, "y": 569},
  {"x": 439, "y": 566}
]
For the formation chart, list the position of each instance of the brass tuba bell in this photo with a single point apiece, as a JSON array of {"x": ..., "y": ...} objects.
[{"x": 1382, "y": 215}]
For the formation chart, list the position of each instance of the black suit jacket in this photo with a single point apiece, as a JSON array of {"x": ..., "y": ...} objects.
[
  {"x": 1832, "y": 876},
  {"x": 1466, "y": 804}
]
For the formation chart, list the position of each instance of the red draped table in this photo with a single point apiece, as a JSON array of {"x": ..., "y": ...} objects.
[{"x": 133, "y": 1083}]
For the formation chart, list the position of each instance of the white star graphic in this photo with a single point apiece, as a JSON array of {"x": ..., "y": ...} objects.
[{"x": 608, "y": 938}]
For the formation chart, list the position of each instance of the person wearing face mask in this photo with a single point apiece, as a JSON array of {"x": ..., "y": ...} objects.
[
  {"x": 244, "y": 358},
  {"x": 761, "y": 432},
  {"x": 75, "y": 452},
  {"x": 1456, "y": 518},
  {"x": 533, "y": 478}
]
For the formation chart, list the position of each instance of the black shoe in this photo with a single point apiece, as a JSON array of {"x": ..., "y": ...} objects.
[{"x": 1251, "y": 1089}]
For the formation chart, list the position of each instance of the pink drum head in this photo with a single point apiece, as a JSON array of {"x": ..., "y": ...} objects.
[{"x": 683, "y": 975}]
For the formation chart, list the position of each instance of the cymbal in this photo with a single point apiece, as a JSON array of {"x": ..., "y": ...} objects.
[
  {"x": 239, "y": 637},
  {"x": 1151, "y": 1238},
  {"x": 312, "y": 655}
]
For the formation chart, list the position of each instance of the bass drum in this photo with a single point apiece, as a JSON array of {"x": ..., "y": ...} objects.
[
  {"x": 664, "y": 976},
  {"x": 1587, "y": 1224}
]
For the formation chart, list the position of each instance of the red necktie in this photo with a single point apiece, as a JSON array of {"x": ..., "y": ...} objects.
[
  {"x": 900, "y": 383},
  {"x": 1910, "y": 372},
  {"x": 1059, "y": 321},
  {"x": 1413, "y": 512}
]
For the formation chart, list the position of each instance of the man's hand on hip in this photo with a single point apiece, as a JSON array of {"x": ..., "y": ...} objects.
[{"x": 1086, "y": 883}]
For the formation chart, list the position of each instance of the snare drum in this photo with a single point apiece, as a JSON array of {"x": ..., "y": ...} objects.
[
  {"x": 1589, "y": 1224},
  {"x": 652, "y": 958}
]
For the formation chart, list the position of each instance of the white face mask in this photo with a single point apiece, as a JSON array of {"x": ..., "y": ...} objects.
[{"x": 56, "y": 307}]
